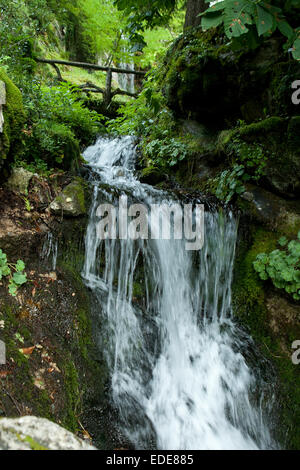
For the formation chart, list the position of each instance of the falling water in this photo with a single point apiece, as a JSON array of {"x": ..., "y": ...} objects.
[
  {"x": 50, "y": 250},
  {"x": 179, "y": 378}
]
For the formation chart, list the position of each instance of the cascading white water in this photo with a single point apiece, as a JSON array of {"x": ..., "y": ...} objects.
[
  {"x": 50, "y": 250},
  {"x": 178, "y": 375}
]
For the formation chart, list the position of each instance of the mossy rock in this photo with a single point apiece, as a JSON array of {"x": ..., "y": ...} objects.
[
  {"x": 14, "y": 119},
  {"x": 152, "y": 175},
  {"x": 71, "y": 201},
  {"x": 273, "y": 142},
  {"x": 203, "y": 78}
]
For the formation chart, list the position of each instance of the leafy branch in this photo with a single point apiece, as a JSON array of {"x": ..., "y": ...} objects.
[{"x": 250, "y": 18}]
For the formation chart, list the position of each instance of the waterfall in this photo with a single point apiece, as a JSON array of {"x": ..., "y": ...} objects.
[
  {"x": 179, "y": 375},
  {"x": 126, "y": 80}
]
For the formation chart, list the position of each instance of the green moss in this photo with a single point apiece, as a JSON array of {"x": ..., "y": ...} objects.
[
  {"x": 248, "y": 288},
  {"x": 273, "y": 124},
  {"x": 33, "y": 444},
  {"x": 14, "y": 118},
  {"x": 77, "y": 190},
  {"x": 72, "y": 407},
  {"x": 151, "y": 175}
]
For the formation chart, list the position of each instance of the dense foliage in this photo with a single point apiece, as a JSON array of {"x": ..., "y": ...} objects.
[
  {"x": 282, "y": 266},
  {"x": 57, "y": 124}
]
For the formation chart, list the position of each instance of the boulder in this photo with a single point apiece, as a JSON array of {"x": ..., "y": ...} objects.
[
  {"x": 151, "y": 175},
  {"x": 19, "y": 181},
  {"x": 271, "y": 211},
  {"x": 71, "y": 201},
  {"x": 31, "y": 433},
  {"x": 204, "y": 79}
]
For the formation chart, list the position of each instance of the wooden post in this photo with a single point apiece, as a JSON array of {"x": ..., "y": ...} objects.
[{"x": 107, "y": 95}]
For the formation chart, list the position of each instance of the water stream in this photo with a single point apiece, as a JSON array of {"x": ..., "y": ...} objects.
[{"x": 180, "y": 378}]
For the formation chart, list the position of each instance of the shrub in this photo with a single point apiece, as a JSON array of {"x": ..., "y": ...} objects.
[
  {"x": 55, "y": 142},
  {"x": 57, "y": 124}
]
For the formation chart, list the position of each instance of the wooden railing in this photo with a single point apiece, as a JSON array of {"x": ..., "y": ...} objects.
[{"x": 108, "y": 93}]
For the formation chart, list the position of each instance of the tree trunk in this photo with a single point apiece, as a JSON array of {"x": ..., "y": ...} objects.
[{"x": 194, "y": 7}]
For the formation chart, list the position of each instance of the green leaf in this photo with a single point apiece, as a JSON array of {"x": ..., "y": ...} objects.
[
  {"x": 20, "y": 266},
  {"x": 5, "y": 271},
  {"x": 19, "y": 279},
  {"x": 12, "y": 289},
  {"x": 212, "y": 20},
  {"x": 296, "y": 49},
  {"x": 264, "y": 21},
  {"x": 214, "y": 8},
  {"x": 285, "y": 29},
  {"x": 283, "y": 241}
]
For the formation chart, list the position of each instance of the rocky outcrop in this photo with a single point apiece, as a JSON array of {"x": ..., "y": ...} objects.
[
  {"x": 204, "y": 79},
  {"x": 271, "y": 146},
  {"x": 19, "y": 181},
  {"x": 31, "y": 433},
  {"x": 271, "y": 211}
]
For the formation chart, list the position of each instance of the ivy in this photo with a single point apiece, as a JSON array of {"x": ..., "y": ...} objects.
[
  {"x": 282, "y": 266},
  {"x": 14, "y": 272}
]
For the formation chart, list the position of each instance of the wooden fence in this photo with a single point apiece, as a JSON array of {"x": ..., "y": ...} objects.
[{"x": 108, "y": 93}]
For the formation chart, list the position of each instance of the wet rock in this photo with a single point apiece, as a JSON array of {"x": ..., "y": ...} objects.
[
  {"x": 71, "y": 201},
  {"x": 31, "y": 433},
  {"x": 284, "y": 316},
  {"x": 152, "y": 176},
  {"x": 19, "y": 181},
  {"x": 272, "y": 211}
]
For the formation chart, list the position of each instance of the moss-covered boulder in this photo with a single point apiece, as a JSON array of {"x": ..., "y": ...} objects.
[
  {"x": 14, "y": 118},
  {"x": 204, "y": 79},
  {"x": 19, "y": 181},
  {"x": 71, "y": 201},
  {"x": 151, "y": 175}
]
